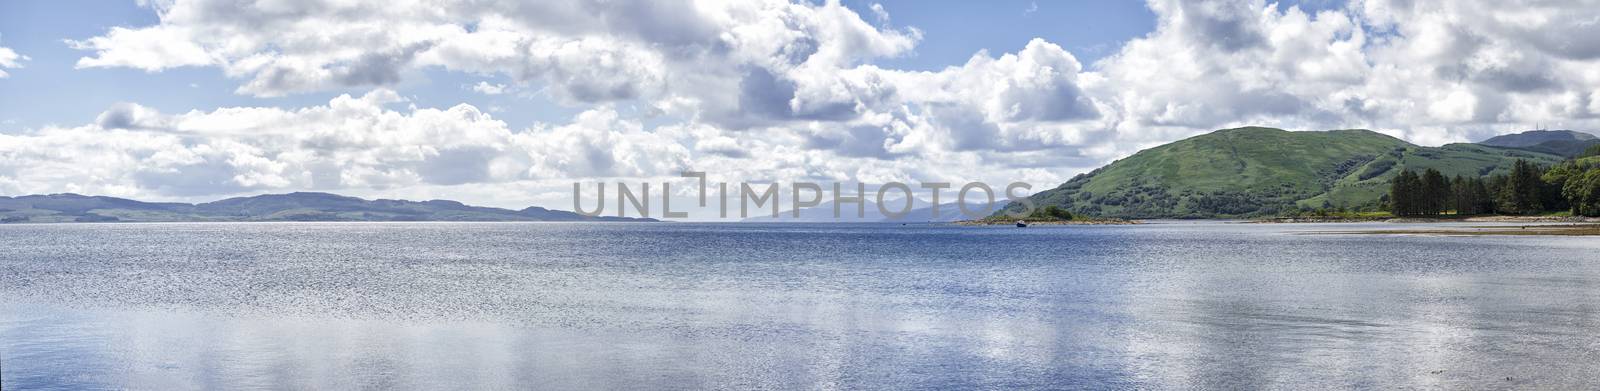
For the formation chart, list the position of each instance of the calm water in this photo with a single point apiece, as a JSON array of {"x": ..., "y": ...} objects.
[{"x": 740, "y": 306}]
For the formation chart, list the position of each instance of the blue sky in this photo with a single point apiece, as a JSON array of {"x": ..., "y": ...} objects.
[{"x": 508, "y": 102}]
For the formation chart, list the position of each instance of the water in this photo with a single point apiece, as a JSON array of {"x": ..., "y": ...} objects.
[{"x": 741, "y": 306}]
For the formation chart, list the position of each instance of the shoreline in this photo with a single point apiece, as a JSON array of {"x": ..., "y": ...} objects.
[
  {"x": 1403, "y": 220},
  {"x": 975, "y": 223},
  {"x": 1588, "y": 229}
]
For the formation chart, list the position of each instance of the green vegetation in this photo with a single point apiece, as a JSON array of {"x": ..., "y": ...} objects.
[
  {"x": 1419, "y": 195},
  {"x": 1592, "y": 151},
  {"x": 1051, "y": 212},
  {"x": 1260, "y": 172},
  {"x": 1570, "y": 187},
  {"x": 1578, "y": 183}
]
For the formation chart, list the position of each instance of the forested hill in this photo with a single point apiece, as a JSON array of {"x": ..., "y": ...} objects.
[
  {"x": 57, "y": 208},
  {"x": 1253, "y": 172}
]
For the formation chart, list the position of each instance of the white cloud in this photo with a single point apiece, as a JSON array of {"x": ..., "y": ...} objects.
[
  {"x": 485, "y": 88},
  {"x": 349, "y": 143},
  {"x": 777, "y": 90},
  {"x": 588, "y": 51},
  {"x": 1429, "y": 71},
  {"x": 598, "y": 144},
  {"x": 152, "y": 49},
  {"x": 10, "y": 59}
]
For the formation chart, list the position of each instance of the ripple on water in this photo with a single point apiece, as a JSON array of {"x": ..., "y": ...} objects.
[{"x": 494, "y": 305}]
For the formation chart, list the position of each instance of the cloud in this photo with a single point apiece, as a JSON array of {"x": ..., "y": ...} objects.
[
  {"x": 351, "y": 142},
  {"x": 778, "y": 90},
  {"x": 587, "y": 51},
  {"x": 131, "y": 116},
  {"x": 485, "y": 88},
  {"x": 599, "y": 144},
  {"x": 9, "y": 59},
  {"x": 1039, "y": 83},
  {"x": 1430, "y": 71},
  {"x": 151, "y": 49}
]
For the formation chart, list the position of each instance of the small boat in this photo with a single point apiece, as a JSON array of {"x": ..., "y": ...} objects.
[{"x": 1022, "y": 224}]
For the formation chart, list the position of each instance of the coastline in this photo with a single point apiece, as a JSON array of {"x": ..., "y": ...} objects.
[
  {"x": 1047, "y": 222},
  {"x": 1484, "y": 230},
  {"x": 1389, "y": 219}
]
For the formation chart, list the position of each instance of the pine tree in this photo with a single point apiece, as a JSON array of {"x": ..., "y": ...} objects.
[
  {"x": 1405, "y": 194},
  {"x": 1399, "y": 195},
  {"x": 1461, "y": 196},
  {"x": 1434, "y": 192},
  {"x": 1521, "y": 193},
  {"x": 1499, "y": 192}
]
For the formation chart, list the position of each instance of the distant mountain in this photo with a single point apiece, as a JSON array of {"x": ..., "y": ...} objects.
[
  {"x": 1255, "y": 171},
  {"x": 1566, "y": 148},
  {"x": 922, "y": 211},
  {"x": 1535, "y": 137},
  {"x": 56, "y": 208},
  {"x": 1558, "y": 142}
]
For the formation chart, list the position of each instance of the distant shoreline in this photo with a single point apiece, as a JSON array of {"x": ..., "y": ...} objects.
[
  {"x": 67, "y": 208},
  {"x": 1048, "y": 222}
]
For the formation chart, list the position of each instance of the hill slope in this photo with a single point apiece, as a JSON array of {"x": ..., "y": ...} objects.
[
  {"x": 1254, "y": 171},
  {"x": 55, "y": 208},
  {"x": 1535, "y": 137},
  {"x": 1557, "y": 142}
]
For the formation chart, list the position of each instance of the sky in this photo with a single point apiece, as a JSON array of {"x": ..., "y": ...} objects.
[{"x": 508, "y": 103}]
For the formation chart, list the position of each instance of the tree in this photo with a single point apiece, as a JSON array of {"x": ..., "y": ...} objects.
[
  {"x": 1521, "y": 192},
  {"x": 1583, "y": 193},
  {"x": 1593, "y": 150},
  {"x": 1578, "y": 185},
  {"x": 1434, "y": 193},
  {"x": 1483, "y": 197},
  {"x": 1461, "y": 196},
  {"x": 1474, "y": 197},
  {"x": 1404, "y": 194},
  {"x": 1052, "y": 212}
]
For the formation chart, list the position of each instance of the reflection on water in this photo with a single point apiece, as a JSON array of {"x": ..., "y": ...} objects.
[{"x": 652, "y": 306}]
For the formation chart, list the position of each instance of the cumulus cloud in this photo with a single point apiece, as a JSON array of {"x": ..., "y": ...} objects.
[
  {"x": 131, "y": 116},
  {"x": 587, "y": 51},
  {"x": 485, "y": 88},
  {"x": 351, "y": 142},
  {"x": 777, "y": 90},
  {"x": 1432, "y": 71},
  {"x": 599, "y": 144},
  {"x": 10, "y": 59}
]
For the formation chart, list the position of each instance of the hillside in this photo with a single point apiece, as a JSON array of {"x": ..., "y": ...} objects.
[
  {"x": 57, "y": 208},
  {"x": 1248, "y": 172},
  {"x": 1535, "y": 137},
  {"x": 1556, "y": 142}
]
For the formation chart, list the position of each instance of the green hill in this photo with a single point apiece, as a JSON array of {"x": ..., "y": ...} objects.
[{"x": 1249, "y": 172}]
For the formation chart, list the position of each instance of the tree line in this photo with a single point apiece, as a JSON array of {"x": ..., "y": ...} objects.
[{"x": 1529, "y": 188}]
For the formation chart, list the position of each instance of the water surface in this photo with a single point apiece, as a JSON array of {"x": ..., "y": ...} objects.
[{"x": 740, "y": 306}]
